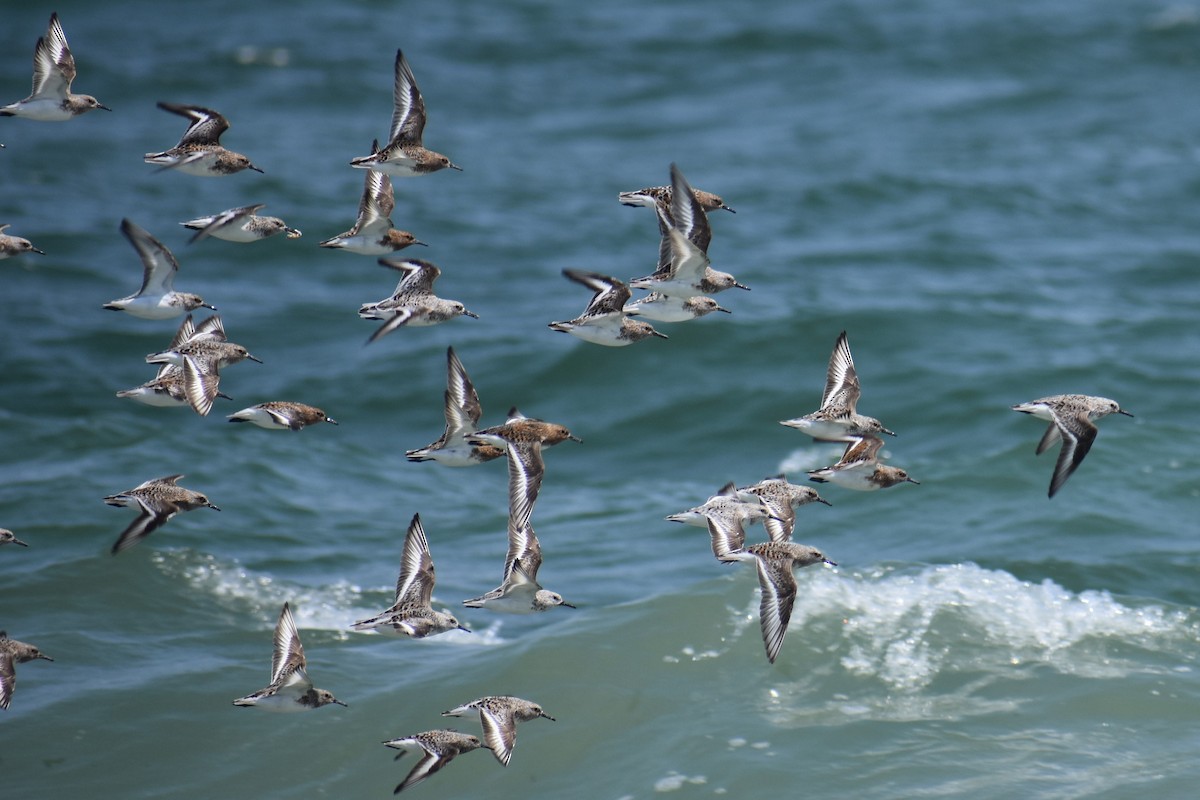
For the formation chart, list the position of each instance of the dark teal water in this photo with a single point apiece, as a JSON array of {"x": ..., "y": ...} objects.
[{"x": 998, "y": 202}]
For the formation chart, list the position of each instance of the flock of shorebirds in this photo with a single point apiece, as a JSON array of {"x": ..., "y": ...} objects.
[{"x": 680, "y": 289}]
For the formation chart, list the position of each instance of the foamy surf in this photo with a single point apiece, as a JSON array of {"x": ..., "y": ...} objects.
[{"x": 329, "y": 607}]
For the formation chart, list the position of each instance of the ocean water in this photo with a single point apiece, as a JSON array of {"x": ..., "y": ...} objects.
[{"x": 997, "y": 201}]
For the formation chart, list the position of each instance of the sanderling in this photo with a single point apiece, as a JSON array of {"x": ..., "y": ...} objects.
[
  {"x": 684, "y": 269},
  {"x": 192, "y": 381},
  {"x": 462, "y": 411},
  {"x": 519, "y": 591},
  {"x": 604, "y": 320},
  {"x": 404, "y": 155},
  {"x": 521, "y": 430},
  {"x": 522, "y": 438},
  {"x": 290, "y": 688},
  {"x": 725, "y": 515},
  {"x": 411, "y": 614},
  {"x": 157, "y": 299},
  {"x": 413, "y": 303},
  {"x": 438, "y": 748},
  {"x": 775, "y": 562},
  {"x": 176, "y": 386},
  {"x": 1070, "y": 417},
  {"x": 239, "y": 225},
  {"x": 14, "y": 245},
  {"x": 281, "y": 415},
  {"x": 664, "y": 308},
  {"x": 499, "y": 716},
  {"x": 660, "y": 197},
  {"x": 157, "y": 501},
  {"x": 782, "y": 499},
  {"x": 188, "y": 384},
  {"x": 837, "y": 420},
  {"x": 199, "y": 151},
  {"x": 12, "y": 653},
  {"x": 859, "y": 468},
  {"x": 209, "y": 347},
  {"x": 373, "y": 234},
  {"x": 693, "y": 225},
  {"x": 8, "y": 537},
  {"x": 53, "y": 71}
]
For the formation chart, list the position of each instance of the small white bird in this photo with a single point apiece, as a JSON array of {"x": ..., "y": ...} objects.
[
  {"x": 281, "y": 415},
  {"x": 157, "y": 501},
  {"x": 725, "y": 516},
  {"x": 290, "y": 688},
  {"x": 859, "y": 468},
  {"x": 499, "y": 715},
  {"x": 837, "y": 419},
  {"x": 684, "y": 269},
  {"x": 8, "y": 537},
  {"x": 1070, "y": 417},
  {"x": 157, "y": 299},
  {"x": 775, "y": 562},
  {"x": 782, "y": 499},
  {"x": 411, "y": 614},
  {"x": 604, "y": 321},
  {"x": 12, "y": 653},
  {"x": 199, "y": 151},
  {"x": 405, "y": 156},
  {"x": 413, "y": 303},
  {"x": 240, "y": 225},
  {"x": 192, "y": 382},
  {"x": 437, "y": 748},
  {"x": 373, "y": 234},
  {"x": 53, "y": 72},
  {"x": 665, "y": 308},
  {"x": 14, "y": 245},
  {"x": 462, "y": 411},
  {"x": 519, "y": 591}
]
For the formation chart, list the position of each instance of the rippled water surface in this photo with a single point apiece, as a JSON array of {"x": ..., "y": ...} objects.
[{"x": 997, "y": 202}]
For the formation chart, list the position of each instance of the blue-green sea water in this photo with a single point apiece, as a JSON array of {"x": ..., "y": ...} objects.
[{"x": 998, "y": 202}]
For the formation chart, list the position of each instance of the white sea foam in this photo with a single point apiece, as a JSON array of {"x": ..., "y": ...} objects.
[
  {"x": 925, "y": 642},
  {"x": 905, "y": 627},
  {"x": 331, "y": 607},
  {"x": 675, "y": 781}
]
